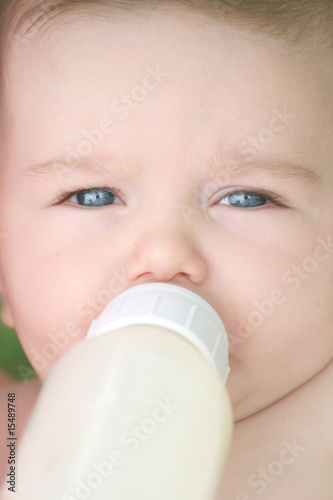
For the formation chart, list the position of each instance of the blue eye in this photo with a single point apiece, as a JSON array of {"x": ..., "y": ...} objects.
[
  {"x": 94, "y": 197},
  {"x": 244, "y": 200}
]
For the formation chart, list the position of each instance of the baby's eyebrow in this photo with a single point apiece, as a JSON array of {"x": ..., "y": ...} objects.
[
  {"x": 100, "y": 164},
  {"x": 280, "y": 169},
  {"x": 214, "y": 165},
  {"x": 233, "y": 166}
]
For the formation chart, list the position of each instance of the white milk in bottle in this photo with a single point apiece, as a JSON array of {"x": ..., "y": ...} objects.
[{"x": 138, "y": 411}]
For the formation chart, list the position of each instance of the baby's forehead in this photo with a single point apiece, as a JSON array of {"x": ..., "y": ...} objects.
[{"x": 38, "y": 37}]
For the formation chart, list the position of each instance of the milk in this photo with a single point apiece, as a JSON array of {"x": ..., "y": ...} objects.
[{"x": 139, "y": 410}]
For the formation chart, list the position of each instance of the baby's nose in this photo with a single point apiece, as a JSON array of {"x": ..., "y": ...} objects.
[{"x": 164, "y": 254}]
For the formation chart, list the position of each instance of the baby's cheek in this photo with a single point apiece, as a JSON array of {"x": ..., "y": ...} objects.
[{"x": 43, "y": 350}]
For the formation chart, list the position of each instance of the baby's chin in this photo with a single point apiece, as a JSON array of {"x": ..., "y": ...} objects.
[
  {"x": 260, "y": 399},
  {"x": 250, "y": 407},
  {"x": 247, "y": 399}
]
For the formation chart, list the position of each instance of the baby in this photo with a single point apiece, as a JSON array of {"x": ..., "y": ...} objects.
[{"x": 187, "y": 142}]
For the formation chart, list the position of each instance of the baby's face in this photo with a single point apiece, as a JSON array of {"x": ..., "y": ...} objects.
[{"x": 182, "y": 116}]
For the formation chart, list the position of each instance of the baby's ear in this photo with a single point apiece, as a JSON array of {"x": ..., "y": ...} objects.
[{"x": 6, "y": 313}]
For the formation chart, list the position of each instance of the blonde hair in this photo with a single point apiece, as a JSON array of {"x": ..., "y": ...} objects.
[{"x": 292, "y": 20}]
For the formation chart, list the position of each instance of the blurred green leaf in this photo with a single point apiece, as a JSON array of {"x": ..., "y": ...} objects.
[{"x": 12, "y": 357}]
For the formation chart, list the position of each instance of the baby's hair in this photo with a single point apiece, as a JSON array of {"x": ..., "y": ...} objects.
[{"x": 292, "y": 20}]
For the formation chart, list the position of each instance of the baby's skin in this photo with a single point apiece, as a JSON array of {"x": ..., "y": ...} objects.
[{"x": 212, "y": 170}]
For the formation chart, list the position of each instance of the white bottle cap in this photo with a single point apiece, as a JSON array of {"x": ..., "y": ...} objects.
[{"x": 172, "y": 307}]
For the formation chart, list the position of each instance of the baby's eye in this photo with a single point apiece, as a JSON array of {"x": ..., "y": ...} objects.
[
  {"x": 243, "y": 200},
  {"x": 250, "y": 199},
  {"x": 95, "y": 197}
]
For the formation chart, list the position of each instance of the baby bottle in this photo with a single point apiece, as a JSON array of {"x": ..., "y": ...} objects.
[{"x": 138, "y": 411}]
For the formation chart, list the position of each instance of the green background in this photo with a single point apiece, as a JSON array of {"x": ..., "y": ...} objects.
[{"x": 12, "y": 358}]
